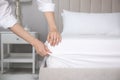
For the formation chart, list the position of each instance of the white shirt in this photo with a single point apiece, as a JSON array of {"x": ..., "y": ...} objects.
[{"x": 8, "y": 20}]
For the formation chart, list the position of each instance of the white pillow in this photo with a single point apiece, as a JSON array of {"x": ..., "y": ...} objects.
[{"x": 91, "y": 23}]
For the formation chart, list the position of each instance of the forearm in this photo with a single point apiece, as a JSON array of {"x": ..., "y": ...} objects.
[
  {"x": 17, "y": 29},
  {"x": 54, "y": 36},
  {"x": 51, "y": 20},
  {"x": 38, "y": 45}
]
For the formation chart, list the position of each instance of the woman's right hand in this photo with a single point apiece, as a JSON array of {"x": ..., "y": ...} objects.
[{"x": 41, "y": 48}]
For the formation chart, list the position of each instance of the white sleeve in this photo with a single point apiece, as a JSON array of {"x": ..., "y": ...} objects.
[
  {"x": 6, "y": 18},
  {"x": 46, "y": 5}
]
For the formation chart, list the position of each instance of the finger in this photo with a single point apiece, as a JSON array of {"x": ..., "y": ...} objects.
[
  {"x": 45, "y": 53},
  {"x": 57, "y": 39},
  {"x": 46, "y": 48},
  {"x": 60, "y": 38},
  {"x": 51, "y": 39},
  {"x": 54, "y": 39},
  {"x": 48, "y": 38},
  {"x": 41, "y": 51}
]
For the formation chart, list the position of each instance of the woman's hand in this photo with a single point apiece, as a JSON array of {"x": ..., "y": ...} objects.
[
  {"x": 41, "y": 48},
  {"x": 54, "y": 37}
]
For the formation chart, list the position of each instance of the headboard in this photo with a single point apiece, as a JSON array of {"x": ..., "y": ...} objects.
[{"x": 94, "y": 6}]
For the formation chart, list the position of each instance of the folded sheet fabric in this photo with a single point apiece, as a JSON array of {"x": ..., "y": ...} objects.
[
  {"x": 85, "y": 53},
  {"x": 81, "y": 61}
]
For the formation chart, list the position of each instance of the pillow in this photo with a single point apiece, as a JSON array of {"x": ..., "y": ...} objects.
[{"x": 91, "y": 23}]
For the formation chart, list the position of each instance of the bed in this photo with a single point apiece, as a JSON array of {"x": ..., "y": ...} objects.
[
  {"x": 85, "y": 52},
  {"x": 90, "y": 48}
]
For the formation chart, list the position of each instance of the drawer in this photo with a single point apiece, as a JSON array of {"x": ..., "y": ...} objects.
[{"x": 13, "y": 38}]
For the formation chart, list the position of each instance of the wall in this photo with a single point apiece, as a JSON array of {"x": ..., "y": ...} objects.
[{"x": 95, "y": 6}]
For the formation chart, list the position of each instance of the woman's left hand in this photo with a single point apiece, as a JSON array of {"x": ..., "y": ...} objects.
[{"x": 54, "y": 37}]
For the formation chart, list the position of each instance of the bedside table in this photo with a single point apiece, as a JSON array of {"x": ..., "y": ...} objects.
[{"x": 8, "y": 38}]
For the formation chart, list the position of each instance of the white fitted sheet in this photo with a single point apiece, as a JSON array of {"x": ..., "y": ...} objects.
[{"x": 85, "y": 52}]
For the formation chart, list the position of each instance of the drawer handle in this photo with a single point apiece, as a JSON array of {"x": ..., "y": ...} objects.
[{"x": 17, "y": 38}]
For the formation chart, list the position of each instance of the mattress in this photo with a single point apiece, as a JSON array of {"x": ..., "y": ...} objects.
[{"x": 81, "y": 51}]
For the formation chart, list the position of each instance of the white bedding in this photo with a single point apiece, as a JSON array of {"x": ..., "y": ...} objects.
[{"x": 85, "y": 52}]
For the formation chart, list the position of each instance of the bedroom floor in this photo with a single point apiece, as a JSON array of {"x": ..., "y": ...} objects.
[{"x": 19, "y": 74}]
